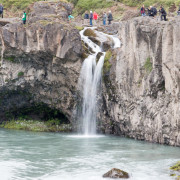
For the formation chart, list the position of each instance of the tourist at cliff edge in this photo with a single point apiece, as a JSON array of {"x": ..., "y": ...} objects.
[
  {"x": 95, "y": 17},
  {"x": 91, "y": 18},
  {"x": 110, "y": 17},
  {"x": 104, "y": 18},
  {"x": 163, "y": 13},
  {"x": 143, "y": 11},
  {"x": 178, "y": 12},
  {"x": 1, "y": 10},
  {"x": 24, "y": 18}
]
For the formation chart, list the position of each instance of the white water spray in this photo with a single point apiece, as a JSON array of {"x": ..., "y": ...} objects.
[{"x": 89, "y": 84}]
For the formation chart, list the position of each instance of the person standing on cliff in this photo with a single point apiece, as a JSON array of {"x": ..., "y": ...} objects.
[
  {"x": 1, "y": 10},
  {"x": 104, "y": 18},
  {"x": 110, "y": 17},
  {"x": 91, "y": 18},
  {"x": 24, "y": 18},
  {"x": 95, "y": 17},
  {"x": 178, "y": 12},
  {"x": 143, "y": 11},
  {"x": 163, "y": 13},
  {"x": 86, "y": 17}
]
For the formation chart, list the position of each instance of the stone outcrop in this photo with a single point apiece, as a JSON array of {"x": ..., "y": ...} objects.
[
  {"x": 142, "y": 90},
  {"x": 116, "y": 174},
  {"x": 40, "y": 62}
]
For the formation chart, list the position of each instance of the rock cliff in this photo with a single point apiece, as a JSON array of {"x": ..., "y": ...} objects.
[
  {"x": 142, "y": 90},
  {"x": 40, "y": 62}
]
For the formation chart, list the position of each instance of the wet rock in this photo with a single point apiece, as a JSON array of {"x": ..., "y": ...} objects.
[
  {"x": 95, "y": 40},
  {"x": 98, "y": 56},
  {"x": 116, "y": 173}
]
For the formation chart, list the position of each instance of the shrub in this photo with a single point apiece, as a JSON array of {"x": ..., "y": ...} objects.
[{"x": 20, "y": 74}]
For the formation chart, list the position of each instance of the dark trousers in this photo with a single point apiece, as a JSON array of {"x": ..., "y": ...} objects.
[
  {"x": 163, "y": 16},
  {"x": 1, "y": 13},
  {"x": 109, "y": 21},
  {"x": 24, "y": 21}
]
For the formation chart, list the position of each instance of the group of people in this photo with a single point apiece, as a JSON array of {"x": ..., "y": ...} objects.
[
  {"x": 92, "y": 17},
  {"x": 152, "y": 11}
]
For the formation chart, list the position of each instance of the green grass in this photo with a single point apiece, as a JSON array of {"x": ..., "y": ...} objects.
[
  {"x": 147, "y": 3},
  {"x": 19, "y": 4},
  {"x": 53, "y": 125},
  {"x": 84, "y": 5}
]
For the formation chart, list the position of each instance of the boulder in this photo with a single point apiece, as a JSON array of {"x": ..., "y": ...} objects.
[{"x": 116, "y": 173}]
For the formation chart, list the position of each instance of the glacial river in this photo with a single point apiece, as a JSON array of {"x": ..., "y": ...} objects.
[{"x": 55, "y": 156}]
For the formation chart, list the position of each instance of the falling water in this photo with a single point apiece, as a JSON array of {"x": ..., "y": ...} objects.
[{"x": 89, "y": 85}]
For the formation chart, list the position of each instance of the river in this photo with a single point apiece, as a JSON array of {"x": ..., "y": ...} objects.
[{"x": 55, "y": 156}]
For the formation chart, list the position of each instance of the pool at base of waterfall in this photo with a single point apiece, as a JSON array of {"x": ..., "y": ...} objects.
[{"x": 57, "y": 156}]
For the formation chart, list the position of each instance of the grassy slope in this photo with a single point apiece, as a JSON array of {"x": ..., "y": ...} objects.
[
  {"x": 82, "y": 5},
  {"x": 17, "y": 4}
]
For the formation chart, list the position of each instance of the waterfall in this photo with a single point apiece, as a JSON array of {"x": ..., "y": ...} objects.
[{"x": 89, "y": 85}]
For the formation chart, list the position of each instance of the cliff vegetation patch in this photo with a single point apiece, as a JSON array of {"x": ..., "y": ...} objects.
[
  {"x": 107, "y": 65},
  {"x": 148, "y": 65},
  {"x": 89, "y": 32}
]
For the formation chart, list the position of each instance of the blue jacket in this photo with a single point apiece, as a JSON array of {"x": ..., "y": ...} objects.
[{"x": 1, "y": 8}]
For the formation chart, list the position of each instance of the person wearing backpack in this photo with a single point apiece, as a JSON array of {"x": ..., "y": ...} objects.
[
  {"x": 163, "y": 13},
  {"x": 154, "y": 10},
  {"x": 110, "y": 17}
]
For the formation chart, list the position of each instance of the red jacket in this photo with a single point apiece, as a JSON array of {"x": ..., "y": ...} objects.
[{"x": 95, "y": 16}]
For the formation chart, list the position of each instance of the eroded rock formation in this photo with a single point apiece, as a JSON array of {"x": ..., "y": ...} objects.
[
  {"x": 41, "y": 59},
  {"x": 142, "y": 89}
]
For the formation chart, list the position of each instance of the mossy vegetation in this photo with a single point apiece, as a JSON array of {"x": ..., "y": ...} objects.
[
  {"x": 44, "y": 22},
  {"x": 176, "y": 167},
  {"x": 10, "y": 58},
  {"x": 107, "y": 65},
  {"x": 148, "y": 65},
  {"x": 53, "y": 125},
  {"x": 38, "y": 117},
  {"x": 20, "y": 74},
  {"x": 89, "y": 32},
  {"x": 79, "y": 28}
]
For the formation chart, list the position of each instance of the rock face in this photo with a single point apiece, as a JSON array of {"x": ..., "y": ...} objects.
[
  {"x": 142, "y": 89},
  {"x": 116, "y": 174},
  {"x": 40, "y": 62}
]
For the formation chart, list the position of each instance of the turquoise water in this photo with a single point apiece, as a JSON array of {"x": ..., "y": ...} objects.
[{"x": 54, "y": 156}]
